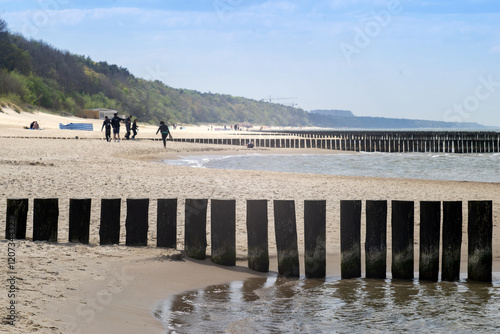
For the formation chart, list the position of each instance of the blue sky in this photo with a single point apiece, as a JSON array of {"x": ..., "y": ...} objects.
[{"x": 432, "y": 59}]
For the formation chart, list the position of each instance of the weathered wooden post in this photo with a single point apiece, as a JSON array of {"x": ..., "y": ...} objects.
[
  {"x": 376, "y": 239},
  {"x": 452, "y": 240},
  {"x": 430, "y": 226},
  {"x": 350, "y": 239},
  {"x": 166, "y": 220},
  {"x": 195, "y": 237},
  {"x": 480, "y": 231},
  {"x": 17, "y": 215},
  {"x": 45, "y": 219},
  {"x": 402, "y": 239},
  {"x": 109, "y": 230},
  {"x": 79, "y": 220},
  {"x": 223, "y": 232},
  {"x": 136, "y": 222},
  {"x": 286, "y": 238},
  {"x": 315, "y": 238},
  {"x": 257, "y": 229}
]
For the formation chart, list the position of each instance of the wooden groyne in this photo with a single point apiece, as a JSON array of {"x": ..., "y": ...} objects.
[
  {"x": 223, "y": 233},
  {"x": 389, "y": 142},
  {"x": 395, "y": 141},
  {"x": 354, "y": 141}
]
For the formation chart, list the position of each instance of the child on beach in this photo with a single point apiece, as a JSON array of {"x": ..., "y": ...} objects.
[
  {"x": 164, "y": 133},
  {"x": 128, "y": 123},
  {"x": 134, "y": 128},
  {"x": 107, "y": 124}
]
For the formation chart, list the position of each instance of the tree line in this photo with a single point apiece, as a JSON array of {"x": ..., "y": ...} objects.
[{"x": 34, "y": 73}]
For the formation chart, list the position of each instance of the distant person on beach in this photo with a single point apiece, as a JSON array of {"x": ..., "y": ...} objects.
[
  {"x": 134, "y": 128},
  {"x": 165, "y": 132},
  {"x": 115, "y": 123},
  {"x": 250, "y": 145},
  {"x": 107, "y": 124},
  {"x": 34, "y": 125},
  {"x": 128, "y": 123}
]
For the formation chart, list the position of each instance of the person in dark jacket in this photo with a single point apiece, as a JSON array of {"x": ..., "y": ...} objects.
[
  {"x": 128, "y": 123},
  {"x": 134, "y": 128},
  {"x": 165, "y": 132},
  {"x": 107, "y": 124},
  {"x": 115, "y": 123}
]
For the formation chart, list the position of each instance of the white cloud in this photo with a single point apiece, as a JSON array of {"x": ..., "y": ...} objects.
[{"x": 495, "y": 49}]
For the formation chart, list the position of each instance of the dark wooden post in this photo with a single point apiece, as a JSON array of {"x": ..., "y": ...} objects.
[
  {"x": 109, "y": 230},
  {"x": 257, "y": 229},
  {"x": 17, "y": 215},
  {"x": 315, "y": 238},
  {"x": 166, "y": 220},
  {"x": 350, "y": 239},
  {"x": 480, "y": 231},
  {"x": 286, "y": 238},
  {"x": 223, "y": 232},
  {"x": 136, "y": 222},
  {"x": 45, "y": 219},
  {"x": 402, "y": 239},
  {"x": 430, "y": 226},
  {"x": 79, "y": 220},
  {"x": 195, "y": 237},
  {"x": 452, "y": 240},
  {"x": 376, "y": 239}
]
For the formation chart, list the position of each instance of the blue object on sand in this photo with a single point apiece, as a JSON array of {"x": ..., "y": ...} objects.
[{"x": 77, "y": 126}]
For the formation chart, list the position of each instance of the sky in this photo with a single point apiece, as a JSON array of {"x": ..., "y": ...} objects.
[{"x": 435, "y": 60}]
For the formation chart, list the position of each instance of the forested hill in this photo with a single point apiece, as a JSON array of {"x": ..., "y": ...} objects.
[
  {"x": 334, "y": 120},
  {"x": 37, "y": 74}
]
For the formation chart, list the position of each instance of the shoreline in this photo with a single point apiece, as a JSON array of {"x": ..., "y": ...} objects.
[{"x": 63, "y": 284}]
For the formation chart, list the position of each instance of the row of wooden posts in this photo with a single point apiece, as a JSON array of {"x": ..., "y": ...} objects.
[
  {"x": 223, "y": 233},
  {"x": 390, "y": 145},
  {"x": 405, "y": 141},
  {"x": 392, "y": 142}
]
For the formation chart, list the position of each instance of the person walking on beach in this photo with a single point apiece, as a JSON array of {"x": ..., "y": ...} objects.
[
  {"x": 115, "y": 123},
  {"x": 165, "y": 132},
  {"x": 128, "y": 123},
  {"x": 107, "y": 124},
  {"x": 134, "y": 128}
]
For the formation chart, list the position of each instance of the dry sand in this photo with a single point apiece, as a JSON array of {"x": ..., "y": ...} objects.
[{"x": 66, "y": 288}]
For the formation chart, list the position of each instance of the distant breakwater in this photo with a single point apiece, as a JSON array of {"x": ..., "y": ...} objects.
[
  {"x": 365, "y": 141},
  {"x": 354, "y": 141},
  {"x": 392, "y": 141}
]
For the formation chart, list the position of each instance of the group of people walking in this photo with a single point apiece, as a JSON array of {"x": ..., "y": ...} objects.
[{"x": 114, "y": 124}]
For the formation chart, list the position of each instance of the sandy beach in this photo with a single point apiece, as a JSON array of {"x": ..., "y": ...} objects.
[{"x": 73, "y": 288}]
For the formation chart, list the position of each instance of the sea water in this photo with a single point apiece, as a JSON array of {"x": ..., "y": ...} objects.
[
  {"x": 433, "y": 166},
  {"x": 279, "y": 305}
]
